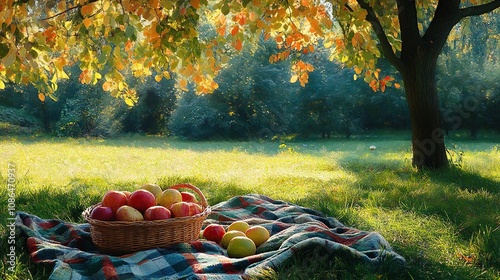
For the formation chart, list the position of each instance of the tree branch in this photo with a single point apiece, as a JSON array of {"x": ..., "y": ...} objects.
[
  {"x": 480, "y": 9},
  {"x": 69, "y": 9},
  {"x": 408, "y": 25},
  {"x": 371, "y": 17}
]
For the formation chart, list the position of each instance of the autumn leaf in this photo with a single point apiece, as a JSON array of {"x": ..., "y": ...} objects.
[
  {"x": 195, "y": 3},
  {"x": 154, "y": 3},
  {"x": 234, "y": 31},
  {"x": 373, "y": 85},
  {"x": 87, "y": 22},
  {"x": 238, "y": 45},
  {"x": 87, "y": 10},
  {"x": 41, "y": 96},
  {"x": 50, "y": 34},
  {"x": 253, "y": 16},
  {"x": 183, "y": 83},
  {"x": 107, "y": 86}
]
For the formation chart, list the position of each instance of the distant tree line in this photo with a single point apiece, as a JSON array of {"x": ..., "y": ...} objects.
[{"x": 255, "y": 99}]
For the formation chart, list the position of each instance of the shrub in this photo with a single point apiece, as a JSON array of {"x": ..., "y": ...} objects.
[
  {"x": 17, "y": 121},
  {"x": 89, "y": 113}
]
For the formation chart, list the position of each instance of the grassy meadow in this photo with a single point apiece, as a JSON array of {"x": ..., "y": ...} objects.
[{"x": 446, "y": 224}]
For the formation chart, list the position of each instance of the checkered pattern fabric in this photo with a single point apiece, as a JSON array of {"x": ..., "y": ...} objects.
[{"x": 294, "y": 230}]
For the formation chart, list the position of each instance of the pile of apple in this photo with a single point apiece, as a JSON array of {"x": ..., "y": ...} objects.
[
  {"x": 148, "y": 203},
  {"x": 240, "y": 239}
]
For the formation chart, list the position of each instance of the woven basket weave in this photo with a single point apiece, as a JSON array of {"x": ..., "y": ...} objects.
[{"x": 121, "y": 237}]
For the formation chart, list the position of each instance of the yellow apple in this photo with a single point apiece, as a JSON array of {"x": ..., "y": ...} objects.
[
  {"x": 239, "y": 225},
  {"x": 128, "y": 213},
  {"x": 228, "y": 236},
  {"x": 240, "y": 247},
  {"x": 169, "y": 197},
  {"x": 258, "y": 234},
  {"x": 154, "y": 189}
]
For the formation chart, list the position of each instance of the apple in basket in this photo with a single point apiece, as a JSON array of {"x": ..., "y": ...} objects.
[
  {"x": 154, "y": 189},
  {"x": 188, "y": 197},
  {"x": 127, "y": 193},
  {"x": 103, "y": 213},
  {"x": 141, "y": 200},
  {"x": 128, "y": 213},
  {"x": 169, "y": 197},
  {"x": 114, "y": 200},
  {"x": 194, "y": 208},
  {"x": 157, "y": 212},
  {"x": 185, "y": 209},
  {"x": 214, "y": 232}
]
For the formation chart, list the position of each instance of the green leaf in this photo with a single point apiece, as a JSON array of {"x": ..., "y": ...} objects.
[
  {"x": 4, "y": 50},
  {"x": 102, "y": 58},
  {"x": 225, "y": 9},
  {"x": 129, "y": 31},
  {"x": 33, "y": 53}
]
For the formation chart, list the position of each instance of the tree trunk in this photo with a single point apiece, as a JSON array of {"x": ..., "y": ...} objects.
[
  {"x": 429, "y": 151},
  {"x": 417, "y": 65}
]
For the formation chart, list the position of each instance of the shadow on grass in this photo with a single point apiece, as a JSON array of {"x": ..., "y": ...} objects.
[
  {"x": 464, "y": 198},
  {"x": 419, "y": 252},
  {"x": 461, "y": 199},
  {"x": 465, "y": 180}
]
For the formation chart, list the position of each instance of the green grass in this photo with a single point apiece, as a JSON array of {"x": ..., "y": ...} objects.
[{"x": 446, "y": 224}]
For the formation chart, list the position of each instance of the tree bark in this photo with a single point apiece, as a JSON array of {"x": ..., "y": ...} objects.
[{"x": 429, "y": 150}]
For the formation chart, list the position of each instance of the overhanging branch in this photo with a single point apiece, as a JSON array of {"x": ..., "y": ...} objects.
[
  {"x": 387, "y": 50},
  {"x": 479, "y": 9},
  {"x": 69, "y": 9}
]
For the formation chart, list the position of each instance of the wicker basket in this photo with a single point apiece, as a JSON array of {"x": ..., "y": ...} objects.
[{"x": 121, "y": 237}]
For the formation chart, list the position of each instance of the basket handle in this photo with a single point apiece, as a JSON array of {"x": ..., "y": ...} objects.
[{"x": 203, "y": 201}]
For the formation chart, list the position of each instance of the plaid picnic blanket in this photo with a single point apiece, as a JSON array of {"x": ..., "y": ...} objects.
[{"x": 295, "y": 230}]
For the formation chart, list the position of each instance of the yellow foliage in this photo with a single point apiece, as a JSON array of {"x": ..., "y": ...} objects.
[{"x": 162, "y": 37}]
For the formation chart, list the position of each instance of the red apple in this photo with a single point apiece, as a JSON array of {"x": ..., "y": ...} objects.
[
  {"x": 188, "y": 197},
  {"x": 103, "y": 213},
  {"x": 141, "y": 200},
  {"x": 156, "y": 212},
  {"x": 128, "y": 213},
  {"x": 214, "y": 232},
  {"x": 114, "y": 200},
  {"x": 194, "y": 208},
  {"x": 127, "y": 193},
  {"x": 180, "y": 209}
]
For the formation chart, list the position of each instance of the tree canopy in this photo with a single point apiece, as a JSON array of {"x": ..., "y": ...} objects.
[{"x": 112, "y": 39}]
